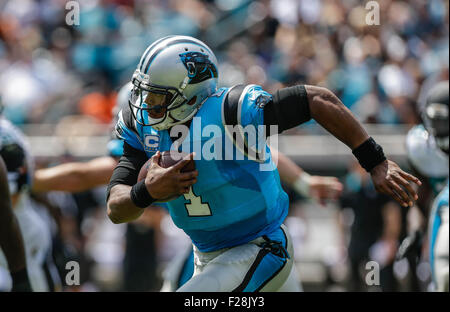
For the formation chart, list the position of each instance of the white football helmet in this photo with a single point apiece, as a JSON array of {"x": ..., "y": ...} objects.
[{"x": 181, "y": 68}]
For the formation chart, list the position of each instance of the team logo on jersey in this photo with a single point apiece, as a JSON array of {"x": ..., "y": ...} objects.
[
  {"x": 262, "y": 100},
  {"x": 151, "y": 142},
  {"x": 198, "y": 66}
]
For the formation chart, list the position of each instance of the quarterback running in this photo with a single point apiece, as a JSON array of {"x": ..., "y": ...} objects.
[{"x": 232, "y": 205}]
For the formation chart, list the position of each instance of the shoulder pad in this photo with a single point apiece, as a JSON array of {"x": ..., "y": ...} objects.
[{"x": 424, "y": 155}]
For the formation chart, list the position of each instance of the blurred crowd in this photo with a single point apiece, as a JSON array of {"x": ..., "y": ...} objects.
[
  {"x": 66, "y": 72},
  {"x": 76, "y": 69}
]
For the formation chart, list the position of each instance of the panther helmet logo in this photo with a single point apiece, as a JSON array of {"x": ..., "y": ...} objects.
[{"x": 198, "y": 66}]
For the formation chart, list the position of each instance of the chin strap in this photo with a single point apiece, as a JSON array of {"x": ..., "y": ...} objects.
[
  {"x": 170, "y": 124},
  {"x": 185, "y": 119}
]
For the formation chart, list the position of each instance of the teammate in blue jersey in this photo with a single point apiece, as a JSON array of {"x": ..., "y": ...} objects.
[
  {"x": 232, "y": 206},
  {"x": 430, "y": 164},
  {"x": 439, "y": 234},
  {"x": 436, "y": 117}
]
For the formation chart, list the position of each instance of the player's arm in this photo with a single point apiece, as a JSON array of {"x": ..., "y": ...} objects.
[
  {"x": 11, "y": 241},
  {"x": 126, "y": 197},
  {"x": 316, "y": 187},
  {"x": 292, "y": 106},
  {"x": 120, "y": 207},
  {"x": 75, "y": 176}
]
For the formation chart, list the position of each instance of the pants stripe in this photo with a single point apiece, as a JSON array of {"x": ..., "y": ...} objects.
[
  {"x": 262, "y": 253},
  {"x": 270, "y": 278},
  {"x": 259, "y": 259}
]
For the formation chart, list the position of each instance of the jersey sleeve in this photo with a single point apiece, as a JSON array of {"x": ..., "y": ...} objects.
[
  {"x": 115, "y": 148},
  {"x": 126, "y": 129},
  {"x": 243, "y": 114},
  {"x": 244, "y": 105},
  {"x": 253, "y": 102}
]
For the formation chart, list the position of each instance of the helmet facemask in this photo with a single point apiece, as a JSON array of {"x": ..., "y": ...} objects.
[
  {"x": 174, "y": 78},
  {"x": 157, "y": 101},
  {"x": 435, "y": 114},
  {"x": 436, "y": 121}
]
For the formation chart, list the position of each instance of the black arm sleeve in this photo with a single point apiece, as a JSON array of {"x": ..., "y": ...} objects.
[
  {"x": 127, "y": 170},
  {"x": 289, "y": 108}
]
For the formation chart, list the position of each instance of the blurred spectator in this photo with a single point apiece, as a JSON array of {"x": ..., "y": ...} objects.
[
  {"x": 140, "y": 265},
  {"x": 377, "y": 227},
  {"x": 270, "y": 42}
]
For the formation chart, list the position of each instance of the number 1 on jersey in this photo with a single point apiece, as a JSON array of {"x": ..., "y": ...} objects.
[{"x": 196, "y": 207}]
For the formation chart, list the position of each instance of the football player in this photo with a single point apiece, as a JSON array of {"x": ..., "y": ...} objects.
[
  {"x": 232, "y": 209},
  {"x": 436, "y": 121},
  {"x": 430, "y": 164},
  {"x": 11, "y": 241},
  {"x": 427, "y": 159},
  {"x": 35, "y": 233},
  {"x": 81, "y": 176}
]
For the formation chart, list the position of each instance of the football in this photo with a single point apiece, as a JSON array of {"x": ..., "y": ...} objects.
[{"x": 168, "y": 159}]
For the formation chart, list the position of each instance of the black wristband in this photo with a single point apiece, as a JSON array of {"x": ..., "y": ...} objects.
[
  {"x": 140, "y": 195},
  {"x": 20, "y": 281},
  {"x": 369, "y": 154}
]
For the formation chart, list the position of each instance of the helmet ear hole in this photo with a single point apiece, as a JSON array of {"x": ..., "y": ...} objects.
[{"x": 192, "y": 101}]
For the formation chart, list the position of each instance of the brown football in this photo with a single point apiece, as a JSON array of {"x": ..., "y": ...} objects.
[{"x": 168, "y": 159}]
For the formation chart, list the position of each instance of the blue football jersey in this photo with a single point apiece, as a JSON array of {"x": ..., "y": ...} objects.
[
  {"x": 439, "y": 204},
  {"x": 238, "y": 195},
  {"x": 115, "y": 148}
]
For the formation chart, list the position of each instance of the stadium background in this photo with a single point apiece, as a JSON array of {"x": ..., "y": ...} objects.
[{"x": 58, "y": 83}]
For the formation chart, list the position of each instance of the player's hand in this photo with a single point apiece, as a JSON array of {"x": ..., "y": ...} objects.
[
  {"x": 389, "y": 179},
  {"x": 164, "y": 183},
  {"x": 325, "y": 188}
]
